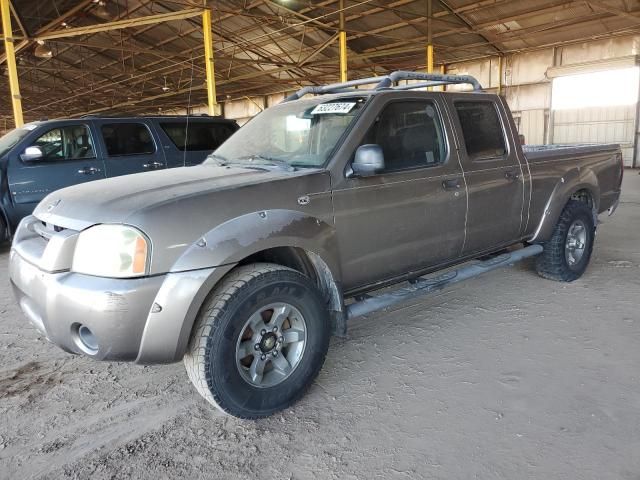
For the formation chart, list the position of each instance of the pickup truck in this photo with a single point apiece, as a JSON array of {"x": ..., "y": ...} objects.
[
  {"x": 42, "y": 157},
  {"x": 244, "y": 267}
]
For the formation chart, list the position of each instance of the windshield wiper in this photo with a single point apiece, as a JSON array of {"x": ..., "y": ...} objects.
[
  {"x": 219, "y": 159},
  {"x": 270, "y": 161}
]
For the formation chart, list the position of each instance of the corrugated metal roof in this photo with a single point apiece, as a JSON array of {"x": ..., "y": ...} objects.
[{"x": 267, "y": 46}]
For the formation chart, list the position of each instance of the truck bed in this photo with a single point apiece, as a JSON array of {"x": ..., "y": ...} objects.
[{"x": 558, "y": 151}]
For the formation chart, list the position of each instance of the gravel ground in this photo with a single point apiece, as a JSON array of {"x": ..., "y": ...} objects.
[{"x": 507, "y": 376}]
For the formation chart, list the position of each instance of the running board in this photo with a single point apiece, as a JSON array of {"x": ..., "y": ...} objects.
[{"x": 425, "y": 285}]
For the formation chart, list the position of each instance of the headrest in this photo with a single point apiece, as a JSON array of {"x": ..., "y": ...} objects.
[
  {"x": 144, "y": 136},
  {"x": 417, "y": 138}
]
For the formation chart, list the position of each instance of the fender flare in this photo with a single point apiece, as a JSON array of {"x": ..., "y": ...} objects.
[
  {"x": 206, "y": 261},
  {"x": 571, "y": 182},
  {"x": 243, "y": 236}
]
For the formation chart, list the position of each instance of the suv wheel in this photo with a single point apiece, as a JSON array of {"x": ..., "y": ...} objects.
[
  {"x": 259, "y": 341},
  {"x": 567, "y": 254},
  {"x": 4, "y": 231}
]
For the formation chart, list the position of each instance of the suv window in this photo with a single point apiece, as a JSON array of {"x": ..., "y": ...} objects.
[
  {"x": 482, "y": 130},
  {"x": 410, "y": 135},
  {"x": 198, "y": 137},
  {"x": 66, "y": 143},
  {"x": 127, "y": 139}
]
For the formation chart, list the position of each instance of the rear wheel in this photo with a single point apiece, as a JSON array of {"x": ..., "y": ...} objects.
[
  {"x": 259, "y": 341},
  {"x": 566, "y": 255}
]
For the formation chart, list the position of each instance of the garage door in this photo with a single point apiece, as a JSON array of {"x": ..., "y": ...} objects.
[{"x": 598, "y": 105}]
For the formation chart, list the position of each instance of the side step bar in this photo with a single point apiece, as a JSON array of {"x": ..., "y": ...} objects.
[{"x": 425, "y": 285}]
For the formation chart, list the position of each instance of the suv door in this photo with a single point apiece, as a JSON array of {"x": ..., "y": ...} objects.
[
  {"x": 130, "y": 147},
  {"x": 492, "y": 171},
  {"x": 188, "y": 142},
  {"x": 410, "y": 215},
  {"x": 68, "y": 157}
]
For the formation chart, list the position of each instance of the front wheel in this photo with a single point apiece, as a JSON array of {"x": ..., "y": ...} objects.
[
  {"x": 4, "y": 231},
  {"x": 259, "y": 341},
  {"x": 567, "y": 254}
]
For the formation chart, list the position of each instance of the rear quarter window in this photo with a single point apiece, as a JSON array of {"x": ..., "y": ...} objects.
[
  {"x": 122, "y": 139},
  {"x": 198, "y": 136},
  {"x": 481, "y": 129}
]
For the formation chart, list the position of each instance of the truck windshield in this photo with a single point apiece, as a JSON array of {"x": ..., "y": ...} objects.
[
  {"x": 11, "y": 139},
  {"x": 297, "y": 134}
]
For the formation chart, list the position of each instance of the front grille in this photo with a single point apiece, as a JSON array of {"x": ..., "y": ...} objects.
[{"x": 46, "y": 230}]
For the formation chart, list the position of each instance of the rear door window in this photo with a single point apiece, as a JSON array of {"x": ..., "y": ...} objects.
[
  {"x": 197, "y": 136},
  {"x": 481, "y": 129},
  {"x": 123, "y": 139},
  {"x": 66, "y": 143}
]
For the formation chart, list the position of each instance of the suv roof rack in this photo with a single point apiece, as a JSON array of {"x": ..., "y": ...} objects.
[{"x": 387, "y": 82}]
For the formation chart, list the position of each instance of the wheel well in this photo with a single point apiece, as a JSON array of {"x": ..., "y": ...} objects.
[
  {"x": 291, "y": 257},
  {"x": 583, "y": 196},
  {"x": 314, "y": 267}
]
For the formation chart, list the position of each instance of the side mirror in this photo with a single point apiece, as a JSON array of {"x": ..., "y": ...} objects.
[
  {"x": 368, "y": 161},
  {"x": 32, "y": 153}
]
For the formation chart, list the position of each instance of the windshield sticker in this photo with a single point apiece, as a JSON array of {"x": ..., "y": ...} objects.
[
  {"x": 342, "y": 107},
  {"x": 30, "y": 126}
]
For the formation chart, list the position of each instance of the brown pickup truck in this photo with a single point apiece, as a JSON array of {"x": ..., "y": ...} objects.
[{"x": 246, "y": 265}]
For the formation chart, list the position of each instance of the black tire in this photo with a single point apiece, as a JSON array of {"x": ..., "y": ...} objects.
[
  {"x": 4, "y": 231},
  {"x": 211, "y": 357},
  {"x": 553, "y": 262}
]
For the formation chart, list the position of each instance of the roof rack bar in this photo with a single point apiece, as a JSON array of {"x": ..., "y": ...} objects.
[
  {"x": 333, "y": 87},
  {"x": 412, "y": 86},
  {"x": 435, "y": 77},
  {"x": 388, "y": 81}
]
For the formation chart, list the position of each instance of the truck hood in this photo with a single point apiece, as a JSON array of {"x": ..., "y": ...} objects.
[
  {"x": 176, "y": 207},
  {"x": 122, "y": 199}
]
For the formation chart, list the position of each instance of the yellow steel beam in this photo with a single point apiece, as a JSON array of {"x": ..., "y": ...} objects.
[
  {"x": 429, "y": 37},
  {"x": 429, "y": 58},
  {"x": 343, "y": 45},
  {"x": 208, "y": 58},
  {"x": 120, "y": 24},
  {"x": 9, "y": 48},
  {"x": 500, "y": 75}
]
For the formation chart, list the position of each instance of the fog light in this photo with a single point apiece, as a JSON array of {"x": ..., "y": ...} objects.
[{"x": 86, "y": 340}]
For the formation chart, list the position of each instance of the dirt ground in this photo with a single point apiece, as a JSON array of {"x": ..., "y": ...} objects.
[{"x": 506, "y": 376}]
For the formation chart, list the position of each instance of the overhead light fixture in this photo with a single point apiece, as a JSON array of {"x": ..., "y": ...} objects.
[
  {"x": 102, "y": 10},
  {"x": 165, "y": 87},
  {"x": 42, "y": 50}
]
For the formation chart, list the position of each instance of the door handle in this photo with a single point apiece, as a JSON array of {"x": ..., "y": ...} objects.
[
  {"x": 511, "y": 175},
  {"x": 451, "y": 184},
  {"x": 89, "y": 170},
  {"x": 153, "y": 165}
]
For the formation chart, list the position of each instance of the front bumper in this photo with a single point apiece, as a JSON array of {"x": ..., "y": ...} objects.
[
  {"x": 118, "y": 312},
  {"x": 115, "y": 310}
]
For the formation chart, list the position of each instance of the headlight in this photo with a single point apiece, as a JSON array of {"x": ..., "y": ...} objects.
[{"x": 116, "y": 251}]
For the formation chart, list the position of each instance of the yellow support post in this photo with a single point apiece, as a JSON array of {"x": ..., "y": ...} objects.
[
  {"x": 429, "y": 41},
  {"x": 429, "y": 38},
  {"x": 14, "y": 87},
  {"x": 429, "y": 58},
  {"x": 443, "y": 70},
  {"x": 208, "y": 57},
  {"x": 500, "y": 75},
  {"x": 343, "y": 45}
]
